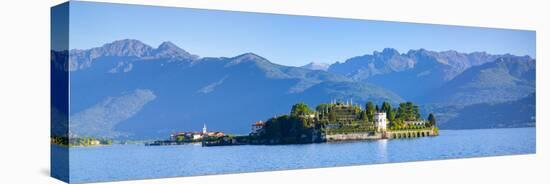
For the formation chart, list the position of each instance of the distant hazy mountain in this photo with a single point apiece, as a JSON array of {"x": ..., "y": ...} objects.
[
  {"x": 127, "y": 88},
  {"x": 512, "y": 114},
  {"x": 413, "y": 74},
  {"x": 506, "y": 79},
  {"x": 317, "y": 66}
]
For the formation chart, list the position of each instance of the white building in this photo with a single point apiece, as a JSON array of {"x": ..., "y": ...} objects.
[
  {"x": 197, "y": 136},
  {"x": 380, "y": 121},
  {"x": 257, "y": 127},
  {"x": 95, "y": 142}
]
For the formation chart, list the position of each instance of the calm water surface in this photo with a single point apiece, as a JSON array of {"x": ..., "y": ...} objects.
[{"x": 122, "y": 162}]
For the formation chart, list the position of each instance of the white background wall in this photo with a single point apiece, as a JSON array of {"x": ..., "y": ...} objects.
[{"x": 24, "y": 89}]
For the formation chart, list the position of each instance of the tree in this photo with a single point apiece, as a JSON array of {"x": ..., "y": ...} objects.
[
  {"x": 408, "y": 111},
  {"x": 390, "y": 112},
  {"x": 180, "y": 138},
  {"x": 386, "y": 107},
  {"x": 286, "y": 129},
  {"x": 369, "y": 110},
  {"x": 362, "y": 115},
  {"x": 391, "y": 115},
  {"x": 416, "y": 112},
  {"x": 431, "y": 120},
  {"x": 398, "y": 124},
  {"x": 300, "y": 109}
]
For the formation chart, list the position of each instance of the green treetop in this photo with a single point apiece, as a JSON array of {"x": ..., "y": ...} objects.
[
  {"x": 431, "y": 120},
  {"x": 300, "y": 109},
  {"x": 408, "y": 111},
  {"x": 386, "y": 107},
  {"x": 370, "y": 110}
]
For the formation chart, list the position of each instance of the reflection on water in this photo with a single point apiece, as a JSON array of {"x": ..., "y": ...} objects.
[
  {"x": 382, "y": 150},
  {"x": 121, "y": 162}
]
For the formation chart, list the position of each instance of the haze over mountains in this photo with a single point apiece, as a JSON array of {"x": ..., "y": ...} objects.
[
  {"x": 505, "y": 79},
  {"x": 418, "y": 71},
  {"x": 127, "y": 89}
]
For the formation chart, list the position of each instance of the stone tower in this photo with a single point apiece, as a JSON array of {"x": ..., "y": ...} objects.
[{"x": 380, "y": 121}]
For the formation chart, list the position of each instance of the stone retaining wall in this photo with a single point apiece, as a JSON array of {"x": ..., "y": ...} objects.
[{"x": 352, "y": 136}]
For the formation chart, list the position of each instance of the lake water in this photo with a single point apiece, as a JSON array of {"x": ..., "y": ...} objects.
[{"x": 122, "y": 162}]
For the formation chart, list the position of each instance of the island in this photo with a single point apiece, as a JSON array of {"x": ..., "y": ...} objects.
[
  {"x": 328, "y": 122},
  {"x": 179, "y": 138},
  {"x": 75, "y": 141}
]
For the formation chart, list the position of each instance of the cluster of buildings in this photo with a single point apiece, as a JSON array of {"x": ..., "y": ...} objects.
[{"x": 195, "y": 136}]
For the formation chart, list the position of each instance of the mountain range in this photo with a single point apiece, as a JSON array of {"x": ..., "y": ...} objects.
[
  {"x": 505, "y": 79},
  {"x": 128, "y": 89},
  {"x": 415, "y": 73}
]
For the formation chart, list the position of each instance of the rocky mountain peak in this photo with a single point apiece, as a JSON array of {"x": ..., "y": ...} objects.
[
  {"x": 126, "y": 47},
  {"x": 170, "y": 50}
]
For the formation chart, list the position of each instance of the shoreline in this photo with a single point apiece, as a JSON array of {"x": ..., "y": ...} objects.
[{"x": 344, "y": 141}]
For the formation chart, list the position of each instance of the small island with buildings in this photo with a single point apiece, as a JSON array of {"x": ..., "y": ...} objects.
[
  {"x": 330, "y": 122},
  {"x": 179, "y": 138}
]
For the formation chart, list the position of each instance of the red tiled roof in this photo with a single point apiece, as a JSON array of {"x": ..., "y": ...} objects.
[{"x": 259, "y": 123}]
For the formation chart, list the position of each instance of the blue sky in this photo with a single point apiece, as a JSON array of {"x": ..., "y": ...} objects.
[{"x": 283, "y": 39}]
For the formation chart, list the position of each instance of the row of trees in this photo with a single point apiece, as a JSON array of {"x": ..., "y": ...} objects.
[{"x": 407, "y": 111}]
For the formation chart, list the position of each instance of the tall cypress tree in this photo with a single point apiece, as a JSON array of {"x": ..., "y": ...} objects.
[
  {"x": 431, "y": 119},
  {"x": 369, "y": 110},
  {"x": 386, "y": 107}
]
